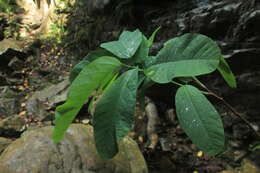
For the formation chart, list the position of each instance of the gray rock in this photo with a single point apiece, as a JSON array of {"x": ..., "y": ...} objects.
[
  {"x": 8, "y": 102},
  {"x": 11, "y": 125},
  {"x": 35, "y": 152},
  {"x": 15, "y": 63},
  {"x": 47, "y": 98}
]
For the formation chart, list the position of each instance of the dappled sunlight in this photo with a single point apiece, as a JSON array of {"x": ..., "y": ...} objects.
[{"x": 39, "y": 17}]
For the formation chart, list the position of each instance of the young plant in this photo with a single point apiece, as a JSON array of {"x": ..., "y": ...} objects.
[{"x": 123, "y": 69}]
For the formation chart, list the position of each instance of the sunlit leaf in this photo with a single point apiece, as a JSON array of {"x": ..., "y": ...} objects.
[{"x": 126, "y": 46}]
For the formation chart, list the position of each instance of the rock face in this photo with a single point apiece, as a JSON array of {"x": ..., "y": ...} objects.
[
  {"x": 233, "y": 24},
  {"x": 35, "y": 152}
]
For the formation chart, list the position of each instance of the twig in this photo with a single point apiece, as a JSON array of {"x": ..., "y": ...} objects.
[{"x": 227, "y": 105}]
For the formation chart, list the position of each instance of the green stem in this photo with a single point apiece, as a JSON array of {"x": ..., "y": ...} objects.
[
  {"x": 176, "y": 83},
  {"x": 205, "y": 92},
  {"x": 132, "y": 67},
  {"x": 200, "y": 83}
]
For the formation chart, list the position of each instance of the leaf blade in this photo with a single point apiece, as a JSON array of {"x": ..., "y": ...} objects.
[
  {"x": 113, "y": 121},
  {"x": 126, "y": 46},
  {"x": 91, "y": 56},
  {"x": 182, "y": 55},
  {"x": 80, "y": 90},
  {"x": 165, "y": 72},
  {"x": 151, "y": 38},
  {"x": 199, "y": 120},
  {"x": 226, "y": 73},
  {"x": 142, "y": 52}
]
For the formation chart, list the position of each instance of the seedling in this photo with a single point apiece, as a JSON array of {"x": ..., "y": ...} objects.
[{"x": 123, "y": 69}]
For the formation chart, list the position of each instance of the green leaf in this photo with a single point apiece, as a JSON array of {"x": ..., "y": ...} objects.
[
  {"x": 113, "y": 117},
  {"x": 77, "y": 69},
  {"x": 96, "y": 54},
  {"x": 200, "y": 120},
  {"x": 142, "y": 52},
  {"x": 126, "y": 46},
  {"x": 103, "y": 86},
  {"x": 93, "y": 55},
  {"x": 185, "y": 56},
  {"x": 149, "y": 61},
  {"x": 91, "y": 77},
  {"x": 151, "y": 39},
  {"x": 226, "y": 73},
  {"x": 256, "y": 148}
]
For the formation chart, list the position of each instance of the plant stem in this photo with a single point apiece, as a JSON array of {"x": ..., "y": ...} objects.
[
  {"x": 227, "y": 105},
  {"x": 132, "y": 67},
  {"x": 176, "y": 83},
  {"x": 129, "y": 66}
]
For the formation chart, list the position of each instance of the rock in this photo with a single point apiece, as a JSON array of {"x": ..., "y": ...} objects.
[
  {"x": 4, "y": 142},
  {"x": 10, "y": 48},
  {"x": 12, "y": 126},
  {"x": 247, "y": 167},
  {"x": 7, "y": 44},
  {"x": 76, "y": 153},
  {"x": 15, "y": 63},
  {"x": 47, "y": 98},
  {"x": 8, "y": 102}
]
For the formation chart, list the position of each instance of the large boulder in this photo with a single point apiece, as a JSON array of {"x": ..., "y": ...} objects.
[{"x": 35, "y": 152}]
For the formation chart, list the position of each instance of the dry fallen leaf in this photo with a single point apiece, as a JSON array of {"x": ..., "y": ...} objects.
[{"x": 23, "y": 113}]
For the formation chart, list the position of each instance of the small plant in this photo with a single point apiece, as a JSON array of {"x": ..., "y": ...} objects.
[{"x": 123, "y": 69}]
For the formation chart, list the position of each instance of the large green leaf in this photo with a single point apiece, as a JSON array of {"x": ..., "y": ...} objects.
[
  {"x": 113, "y": 117},
  {"x": 77, "y": 69},
  {"x": 91, "y": 77},
  {"x": 185, "y": 56},
  {"x": 126, "y": 46},
  {"x": 226, "y": 73},
  {"x": 199, "y": 119},
  {"x": 93, "y": 55},
  {"x": 149, "y": 61}
]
